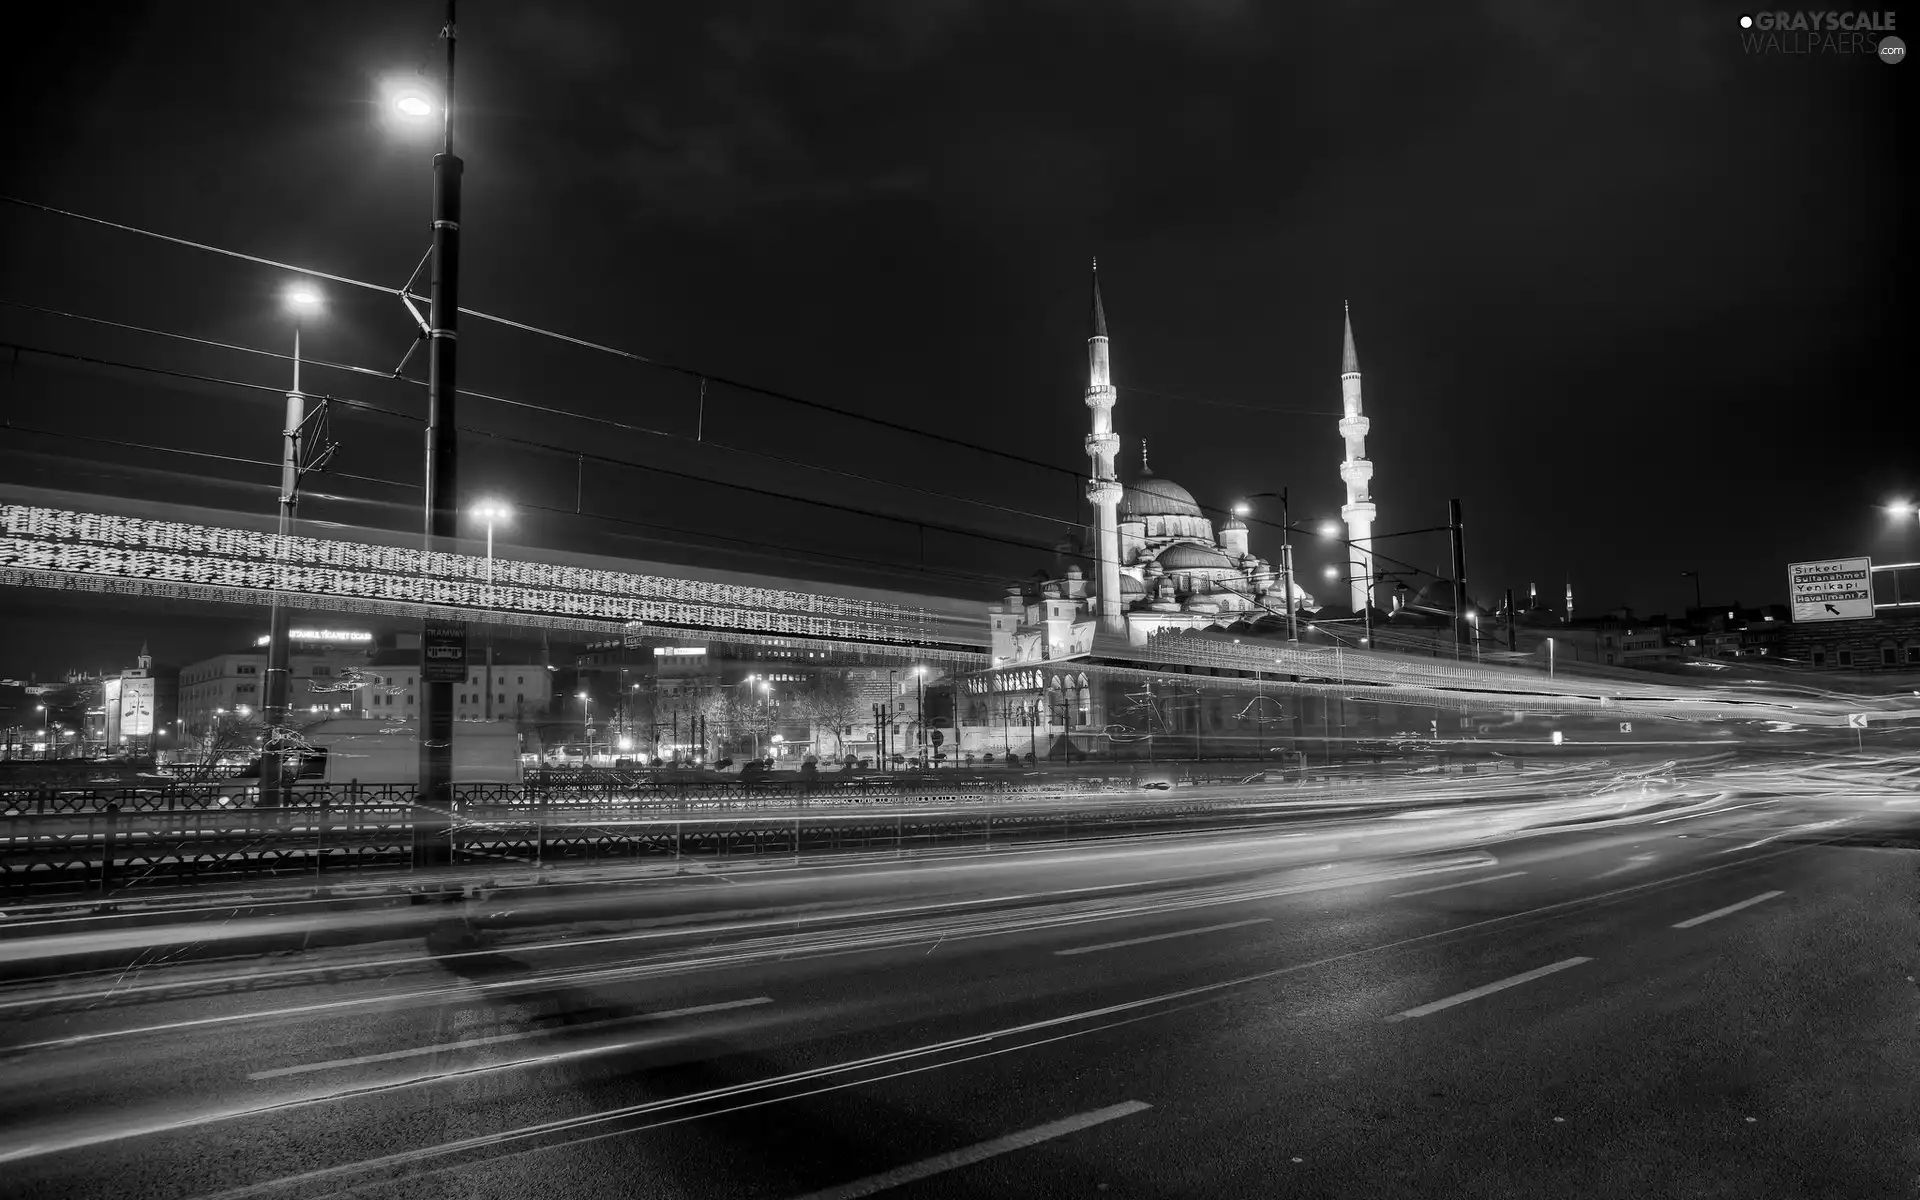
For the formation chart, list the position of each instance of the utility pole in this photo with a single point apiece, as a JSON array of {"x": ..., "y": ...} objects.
[
  {"x": 279, "y": 686},
  {"x": 433, "y": 846},
  {"x": 1512, "y": 636},
  {"x": 1456, "y": 529}
]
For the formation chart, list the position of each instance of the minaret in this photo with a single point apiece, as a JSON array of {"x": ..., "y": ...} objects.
[
  {"x": 1103, "y": 489},
  {"x": 1357, "y": 471}
]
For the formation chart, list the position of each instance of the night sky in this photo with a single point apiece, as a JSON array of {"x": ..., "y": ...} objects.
[{"x": 1639, "y": 300}]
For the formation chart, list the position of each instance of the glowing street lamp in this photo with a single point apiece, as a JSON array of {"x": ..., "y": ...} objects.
[
  {"x": 300, "y": 299},
  {"x": 1245, "y": 508}
]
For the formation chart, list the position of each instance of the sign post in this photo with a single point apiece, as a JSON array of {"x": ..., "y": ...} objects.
[
  {"x": 1834, "y": 589},
  {"x": 444, "y": 652}
]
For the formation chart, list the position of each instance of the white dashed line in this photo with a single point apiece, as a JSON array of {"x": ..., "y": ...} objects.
[
  {"x": 1703, "y": 918},
  {"x": 979, "y": 1152},
  {"x": 1448, "y": 886},
  {"x": 1161, "y": 937},
  {"x": 1488, "y": 989},
  {"x": 476, "y": 1043}
]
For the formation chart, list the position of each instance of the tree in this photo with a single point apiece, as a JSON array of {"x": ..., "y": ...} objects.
[
  {"x": 229, "y": 736},
  {"x": 830, "y": 703}
]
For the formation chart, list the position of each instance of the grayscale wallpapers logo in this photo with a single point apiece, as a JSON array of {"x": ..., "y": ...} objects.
[{"x": 1822, "y": 33}]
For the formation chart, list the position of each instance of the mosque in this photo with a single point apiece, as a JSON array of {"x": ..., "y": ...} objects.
[{"x": 1160, "y": 565}]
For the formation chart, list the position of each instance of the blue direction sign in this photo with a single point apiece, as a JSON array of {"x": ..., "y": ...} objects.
[{"x": 1836, "y": 589}]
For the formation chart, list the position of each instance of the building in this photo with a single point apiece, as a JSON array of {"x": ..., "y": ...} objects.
[
  {"x": 323, "y": 680},
  {"x": 387, "y": 682},
  {"x": 1887, "y": 641},
  {"x": 141, "y": 708},
  {"x": 1159, "y": 562}
]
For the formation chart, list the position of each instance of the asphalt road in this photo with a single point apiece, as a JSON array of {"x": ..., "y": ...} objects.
[{"x": 1702, "y": 992}]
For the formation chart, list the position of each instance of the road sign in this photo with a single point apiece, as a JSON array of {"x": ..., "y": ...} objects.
[
  {"x": 937, "y": 738},
  {"x": 1856, "y": 720},
  {"x": 1835, "y": 589},
  {"x": 443, "y": 652},
  {"x": 1626, "y": 727}
]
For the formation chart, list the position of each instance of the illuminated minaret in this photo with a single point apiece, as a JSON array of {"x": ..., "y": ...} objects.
[
  {"x": 1103, "y": 489},
  {"x": 1358, "y": 511}
]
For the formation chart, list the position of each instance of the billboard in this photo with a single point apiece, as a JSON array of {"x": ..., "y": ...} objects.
[
  {"x": 136, "y": 708},
  {"x": 1833, "y": 589}
]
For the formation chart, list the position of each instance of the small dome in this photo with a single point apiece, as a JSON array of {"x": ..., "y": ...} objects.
[
  {"x": 1185, "y": 556},
  {"x": 1231, "y": 524},
  {"x": 1129, "y": 586}
]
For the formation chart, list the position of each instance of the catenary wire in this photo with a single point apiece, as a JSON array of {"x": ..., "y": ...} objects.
[
  {"x": 624, "y": 426},
  {"x": 551, "y": 448}
]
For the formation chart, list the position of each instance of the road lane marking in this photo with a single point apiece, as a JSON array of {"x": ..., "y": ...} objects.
[
  {"x": 1126, "y": 1012},
  {"x": 1817, "y": 825},
  {"x": 1703, "y": 918},
  {"x": 1161, "y": 937},
  {"x": 979, "y": 1152},
  {"x": 1716, "y": 811},
  {"x": 1449, "y": 886},
  {"x": 994, "y": 923},
  {"x": 475, "y": 1043},
  {"x": 1489, "y": 988}
]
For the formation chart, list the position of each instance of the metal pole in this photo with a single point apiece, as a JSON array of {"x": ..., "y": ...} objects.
[
  {"x": 442, "y": 464},
  {"x": 1456, "y": 531},
  {"x": 487, "y": 711},
  {"x": 279, "y": 690},
  {"x": 1512, "y": 641},
  {"x": 1286, "y": 566}
]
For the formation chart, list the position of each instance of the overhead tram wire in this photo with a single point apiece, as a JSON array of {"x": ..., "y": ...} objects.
[
  {"x": 551, "y": 448},
  {"x": 631, "y": 356},
  {"x": 549, "y": 410}
]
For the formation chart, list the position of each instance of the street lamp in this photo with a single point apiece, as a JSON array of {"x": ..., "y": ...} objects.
[
  {"x": 1245, "y": 508},
  {"x": 299, "y": 300},
  {"x": 414, "y": 102},
  {"x": 490, "y": 511},
  {"x": 586, "y": 721}
]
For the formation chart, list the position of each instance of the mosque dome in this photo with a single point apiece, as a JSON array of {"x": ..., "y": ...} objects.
[
  {"x": 1185, "y": 556},
  {"x": 1231, "y": 524},
  {"x": 1152, "y": 496}
]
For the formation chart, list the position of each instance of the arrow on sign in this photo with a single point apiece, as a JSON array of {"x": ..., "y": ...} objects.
[
  {"x": 1856, "y": 720},
  {"x": 1830, "y": 608}
]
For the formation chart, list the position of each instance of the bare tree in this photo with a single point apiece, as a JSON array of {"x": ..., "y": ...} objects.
[
  {"x": 831, "y": 703},
  {"x": 229, "y": 736}
]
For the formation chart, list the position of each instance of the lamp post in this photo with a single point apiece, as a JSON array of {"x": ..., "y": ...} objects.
[
  {"x": 1245, "y": 508},
  {"x": 441, "y": 491},
  {"x": 586, "y": 722},
  {"x": 490, "y": 511},
  {"x": 299, "y": 300},
  {"x": 1698, "y": 604},
  {"x": 1549, "y": 658}
]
